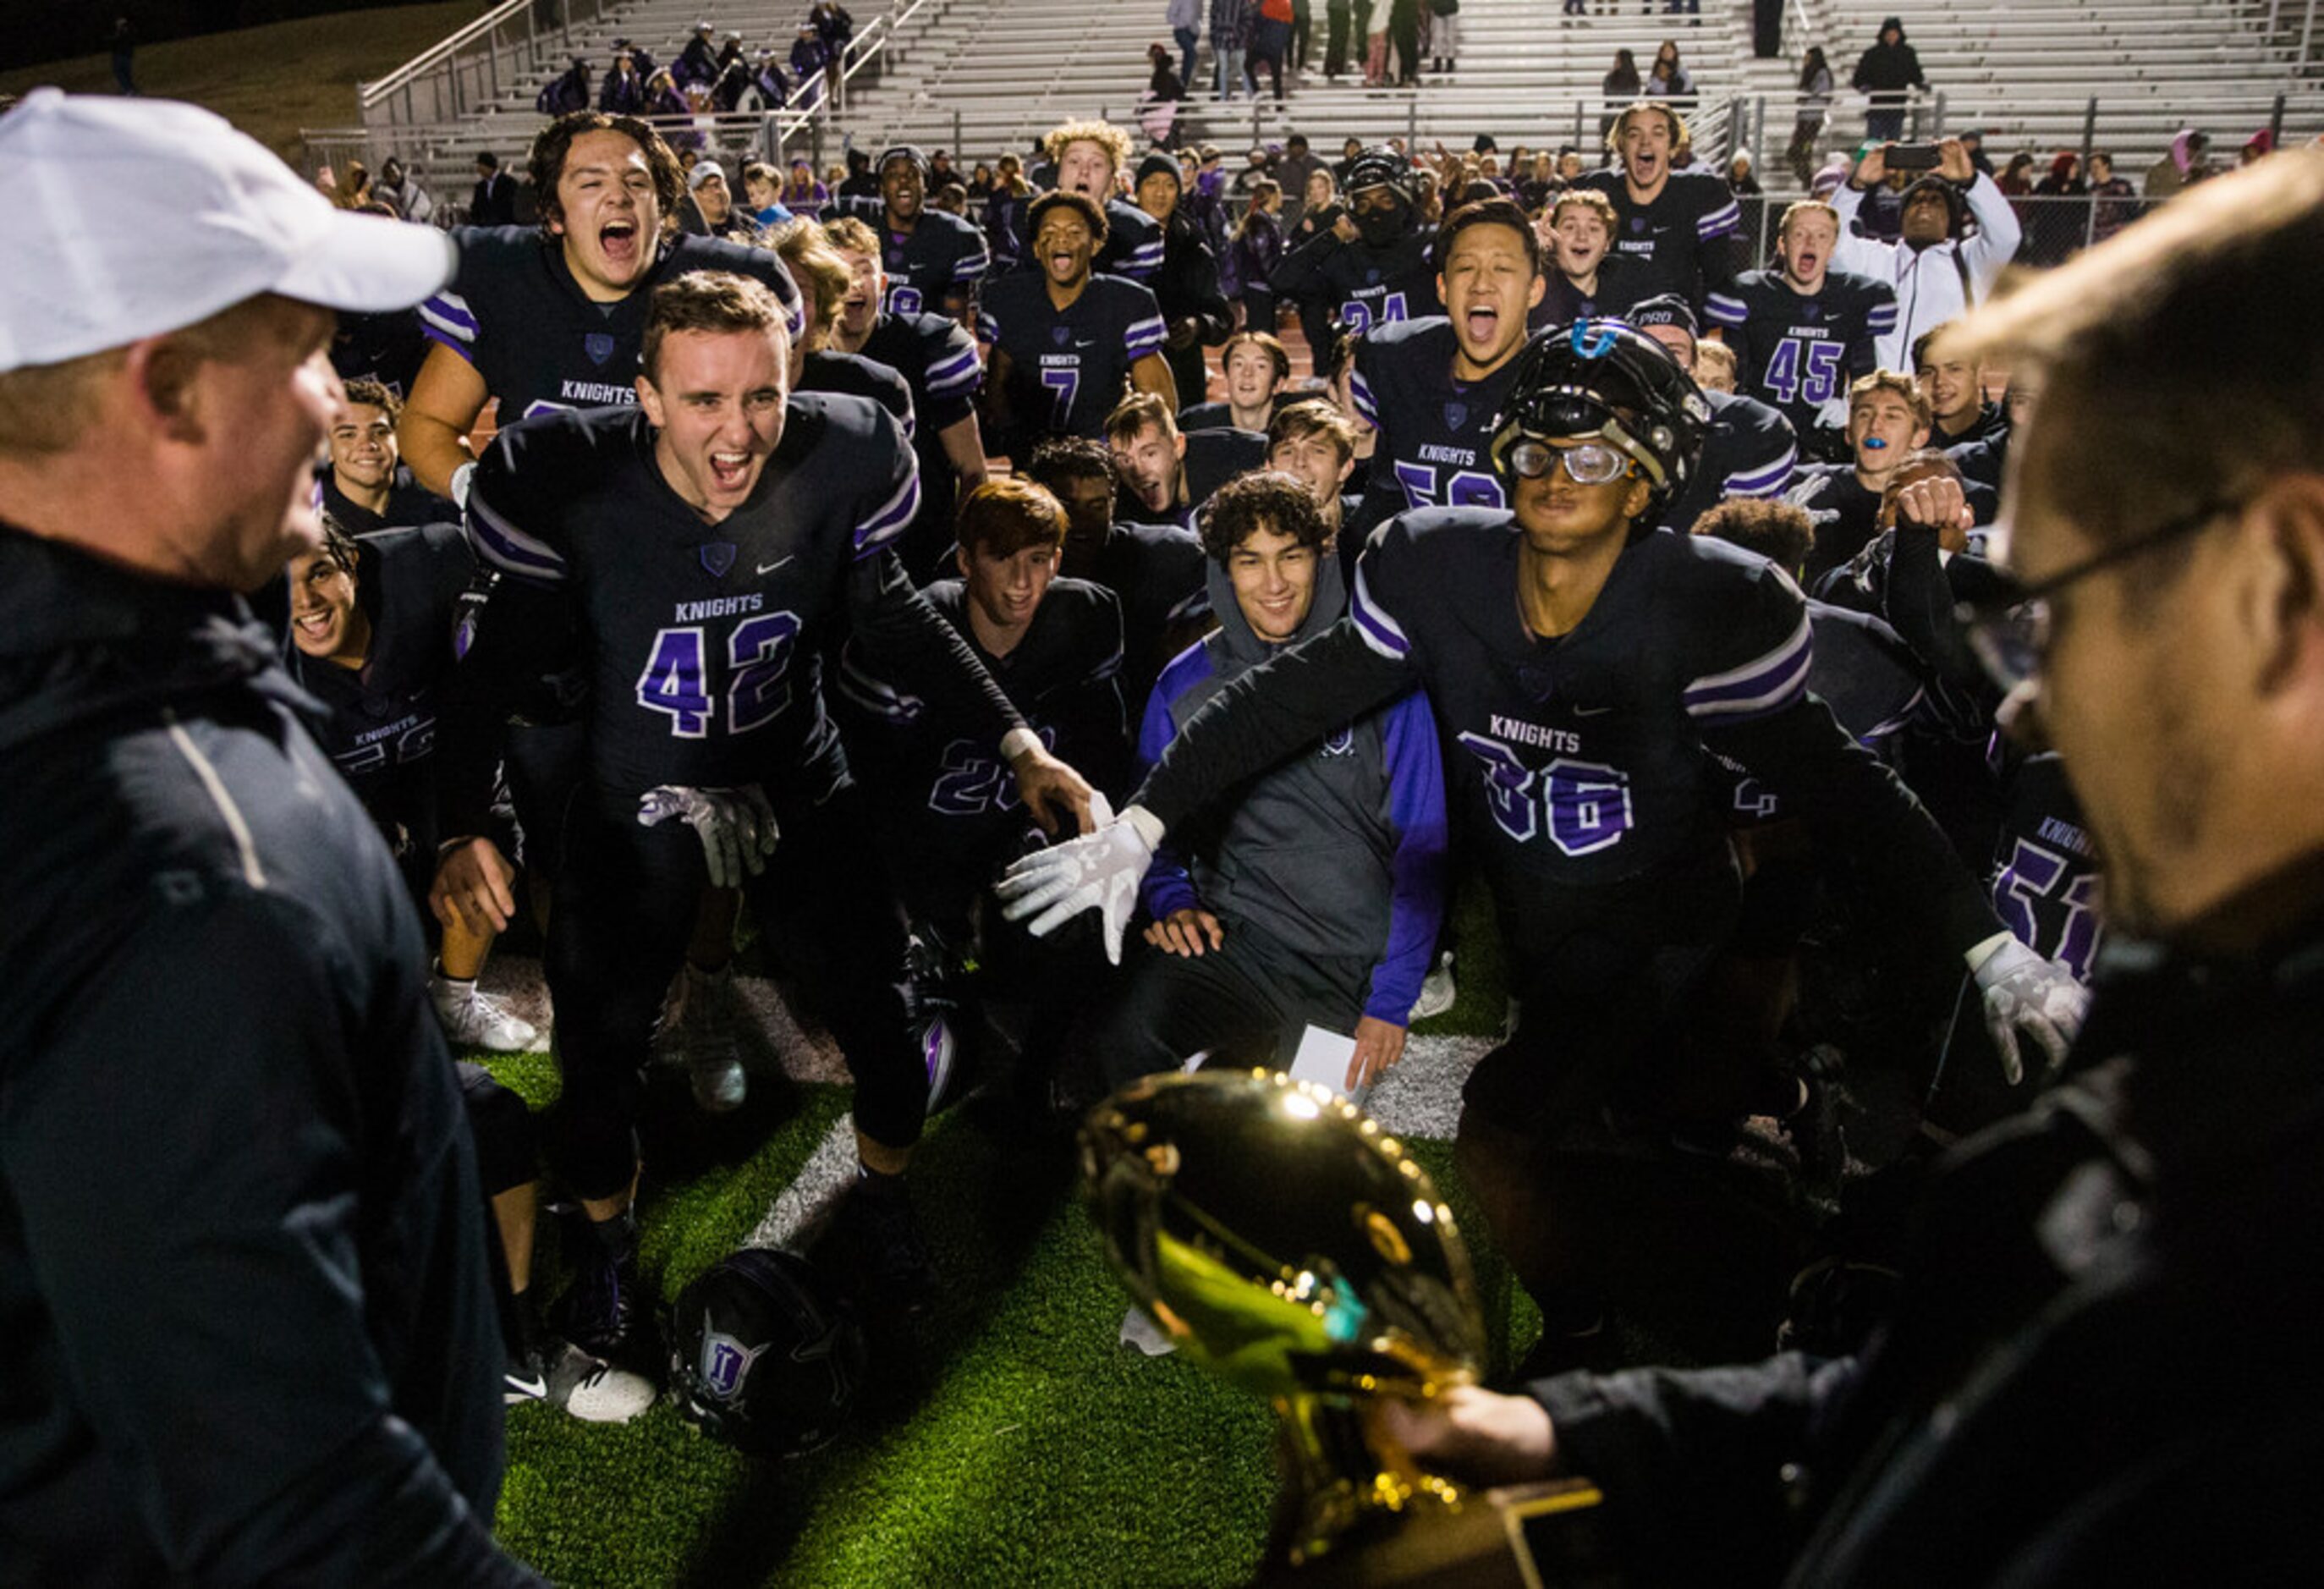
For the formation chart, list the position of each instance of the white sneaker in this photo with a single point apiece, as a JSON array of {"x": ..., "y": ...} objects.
[
  {"x": 474, "y": 1019},
  {"x": 1436, "y": 990},
  {"x": 589, "y": 1388},
  {"x": 705, "y": 1037}
]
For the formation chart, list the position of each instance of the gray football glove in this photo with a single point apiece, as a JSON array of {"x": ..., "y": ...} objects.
[
  {"x": 736, "y": 826},
  {"x": 1100, "y": 869},
  {"x": 2024, "y": 990}
]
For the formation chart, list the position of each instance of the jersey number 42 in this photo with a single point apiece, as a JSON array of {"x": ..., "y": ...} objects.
[{"x": 748, "y": 691}]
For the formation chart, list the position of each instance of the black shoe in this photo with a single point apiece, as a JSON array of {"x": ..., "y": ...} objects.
[
  {"x": 599, "y": 1313},
  {"x": 890, "y": 1254}
]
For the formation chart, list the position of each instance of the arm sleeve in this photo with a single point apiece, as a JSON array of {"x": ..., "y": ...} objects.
[
  {"x": 447, "y": 317},
  {"x": 1999, "y": 233},
  {"x": 1167, "y": 886},
  {"x": 224, "y": 1167},
  {"x": 1300, "y": 276},
  {"x": 1691, "y": 1462},
  {"x": 1416, "y": 817},
  {"x": 1775, "y": 455},
  {"x": 1146, "y": 331},
  {"x": 952, "y": 379}
]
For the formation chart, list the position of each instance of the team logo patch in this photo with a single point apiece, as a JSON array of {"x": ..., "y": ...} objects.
[
  {"x": 598, "y": 346},
  {"x": 1456, "y": 415},
  {"x": 1341, "y": 740},
  {"x": 725, "y": 1363},
  {"x": 1638, "y": 225},
  {"x": 1060, "y": 334},
  {"x": 1371, "y": 278},
  {"x": 717, "y": 556}
]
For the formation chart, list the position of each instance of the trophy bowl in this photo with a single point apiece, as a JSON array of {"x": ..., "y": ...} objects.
[{"x": 1287, "y": 1243}]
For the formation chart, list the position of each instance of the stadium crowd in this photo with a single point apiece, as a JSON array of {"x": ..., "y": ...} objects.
[{"x": 716, "y": 548}]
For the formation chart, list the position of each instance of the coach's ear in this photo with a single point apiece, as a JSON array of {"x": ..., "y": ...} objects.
[
  {"x": 164, "y": 385},
  {"x": 2281, "y": 580}
]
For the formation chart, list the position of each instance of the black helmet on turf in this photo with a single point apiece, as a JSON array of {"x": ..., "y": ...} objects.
[
  {"x": 763, "y": 1356},
  {"x": 1605, "y": 379}
]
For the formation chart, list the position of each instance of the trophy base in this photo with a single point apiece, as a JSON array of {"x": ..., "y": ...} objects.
[{"x": 1546, "y": 1536}]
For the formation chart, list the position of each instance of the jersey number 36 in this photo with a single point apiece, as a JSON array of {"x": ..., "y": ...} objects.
[{"x": 1585, "y": 805}]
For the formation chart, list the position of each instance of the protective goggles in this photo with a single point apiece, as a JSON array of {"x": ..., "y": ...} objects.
[{"x": 1587, "y": 463}]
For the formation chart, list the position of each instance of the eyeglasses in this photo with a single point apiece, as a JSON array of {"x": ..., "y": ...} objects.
[
  {"x": 1587, "y": 463},
  {"x": 2009, "y": 631}
]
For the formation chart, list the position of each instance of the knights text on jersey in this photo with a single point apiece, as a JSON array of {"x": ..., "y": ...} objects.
[
  {"x": 942, "y": 255},
  {"x": 1579, "y": 761},
  {"x": 1677, "y": 236},
  {"x": 514, "y": 312},
  {"x": 2045, "y": 881},
  {"x": 1365, "y": 286},
  {"x": 1436, "y": 433},
  {"x": 704, "y": 638},
  {"x": 1799, "y": 353},
  {"x": 1071, "y": 366}
]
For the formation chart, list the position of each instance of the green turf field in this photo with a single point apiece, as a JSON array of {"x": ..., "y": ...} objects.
[{"x": 1011, "y": 1439}]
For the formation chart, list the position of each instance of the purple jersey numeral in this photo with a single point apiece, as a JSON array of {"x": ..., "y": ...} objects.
[{"x": 672, "y": 683}]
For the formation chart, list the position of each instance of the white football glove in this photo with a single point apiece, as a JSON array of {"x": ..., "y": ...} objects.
[
  {"x": 1101, "y": 869},
  {"x": 2024, "y": 990},
  {"x": 736, "y": 826}
]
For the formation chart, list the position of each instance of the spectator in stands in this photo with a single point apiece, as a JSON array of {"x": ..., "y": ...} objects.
[
  {"x": 623, "y": 92},
  {"x": 1885, "y": 71},
  {"x": 667, "y": 108},
  {"x": 980, "y": 179},
  {"x": 1338, "y": 17},
  {"x": 942, "y": 171},
  {"x": 698, "y": 62},
  {"x": 713, "y": 202},
  {"x": 952, "y": 199},
  {"x": 567, "y": 93},
  {"x": 492, "y": 202},
  {"x": 1668, "y": 79},
  {"x": 803, "y": 195},
  {"x": 769, "y": 87},
  {"x": 733, "y": 84},
  {"x": 1974, "y": 142},
  {"x": 2116, "y": 199},
  {"x": 762, "y": 194},
  {"x": 399, "y": 189},
  {"x": 1404, "y": 33},
  {"x": 1813, "y": 112},
  {"x": 1270, "y": 41},
  {"x": 640, "y": 57},
  {"x": 2058, "y": 223},
  {"x": 122, "y": 43},
  {"x": 1004, "y": 214},
  {"x": 2256, "y": 148},
  {"x": 1237, "y": 958},
  {"x": 1444, "y": 20},
  {"x": 353, "y": 189},
  {"x": 1619, "y": 88},
  {"x": 1298, "y": 163},
  {"x": 1937, "y": 273},
  {"x": 1185, "y": 21},
  {"x": 1258, "y": 247},
  {"x": 1742, "y": 182},
  {"x": 1229, "y": 30},
  {"x": 808, "y": 61},
  {"x": 833, "y": 26},
  {"x": 2184, "y": 164}
]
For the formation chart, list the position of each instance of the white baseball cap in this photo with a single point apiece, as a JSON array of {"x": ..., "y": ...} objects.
[{"x": 128, "y": 218}]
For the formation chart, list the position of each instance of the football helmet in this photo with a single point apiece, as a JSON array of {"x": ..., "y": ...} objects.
[
  {"x": 1605, "y": 380},
  {"x": 763, "y": 1354}
]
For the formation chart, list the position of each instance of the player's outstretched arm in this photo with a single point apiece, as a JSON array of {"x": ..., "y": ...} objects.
[{"x": 445, "y": 401}]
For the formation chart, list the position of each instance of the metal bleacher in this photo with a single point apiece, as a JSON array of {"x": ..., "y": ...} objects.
[{"x": 981, "y": 77}]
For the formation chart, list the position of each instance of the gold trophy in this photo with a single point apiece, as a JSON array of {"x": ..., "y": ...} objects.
[{"x": 1289, "y": 1245}]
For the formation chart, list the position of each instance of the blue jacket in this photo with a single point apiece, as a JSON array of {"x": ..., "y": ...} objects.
[{"x": 1340, "y": 853}]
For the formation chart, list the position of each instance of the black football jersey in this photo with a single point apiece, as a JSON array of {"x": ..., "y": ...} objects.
[
  {"x": 1133, "y": 243},
  {"x": 855, "y": 374},
  {"x": 1363, "y": 285},
  {"x": 1685, "y": 239},
  {"x": 408, "y": 504},
  {"x": 2046, "y": 876},
  {"x": 1749, "y": 450},
  {"x": 942, "y": 255},
  {"x": 1799, "y": 353},
  {"x": 704, "y": 639},
  {"x": 1160, "y": 575},
  {"x": 380, "y": 731},
  {"x": 1868, "y": 677},
  {"x": 1846, "y": 515},
  {"x": 1070, "y": 366},
  {"x": 937, "y": 360},
  {"x": 1436, "y": 433},
  {"x": 1621, "y": 282},
  {"x": 514, "y": 312},
  {"x": 949, "y": 800},
  {"x": 1580, "y": 759},
  {"x": 1216, "y": 454}
]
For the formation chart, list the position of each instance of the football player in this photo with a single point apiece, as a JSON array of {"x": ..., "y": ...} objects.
[
  {"x": 1683, "y": 226},
  {"x": 1255, "y": 368},
  {"x": 1066, "y": 342},
  {"x": 1887, "y": 421},
  {"x": 1432, "y": 387},
  {"x": 933, "y": 259},
  {"x": 825, "y": 281},
  {"x": 1155, "y": 569},
  {"x": 1314, "y": 443},
  {"x": 363, "y": 485},
  {"x": 1750, "y": 449},
  {"x": 1591, "y": 282},
  {"x": 1804, "y": 333},
  {"x": 1089, "y": 157},
  {"x": 1167, "y": 474},
  {"x": 1577, "y": 723},
  {"x": 1311, "y": 895},
  {"x": 1371, "y": 266},
  {"x": 703, "y": 543},
  {"x": 937, "y": 360},
  {"x": 1959, "y": 413},
  {"x": 552, "y": 318}
]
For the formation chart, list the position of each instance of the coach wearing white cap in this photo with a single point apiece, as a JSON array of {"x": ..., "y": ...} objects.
[{"x": 243, "y": 1299}]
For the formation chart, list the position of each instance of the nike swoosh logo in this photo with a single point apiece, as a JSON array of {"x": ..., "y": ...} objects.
[
  {"x": 1591, "y": 711},
  {"x": 535, "y": 1388},
  {"x": 765, "y": 569}
]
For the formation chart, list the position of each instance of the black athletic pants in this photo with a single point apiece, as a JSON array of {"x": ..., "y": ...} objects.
[{"x": 625, "y": 911}]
